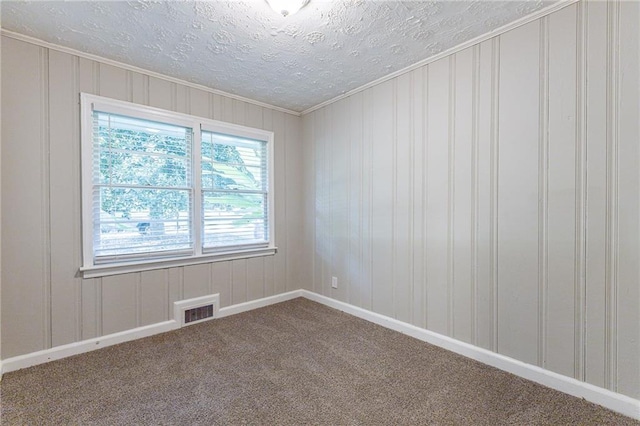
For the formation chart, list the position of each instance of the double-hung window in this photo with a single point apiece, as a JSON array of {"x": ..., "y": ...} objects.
[{"x": 163, "y": 189}]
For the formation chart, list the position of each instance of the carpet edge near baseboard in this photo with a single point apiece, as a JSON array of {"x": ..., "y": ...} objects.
[
  {"x": 617, "y": 402},
  {"x": 614, "y": 401}
]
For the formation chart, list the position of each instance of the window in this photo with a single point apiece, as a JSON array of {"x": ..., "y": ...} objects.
[{"x": 162, "y": 189}]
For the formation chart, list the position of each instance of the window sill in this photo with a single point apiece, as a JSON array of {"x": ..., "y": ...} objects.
[{"x": 149, "y": 265}]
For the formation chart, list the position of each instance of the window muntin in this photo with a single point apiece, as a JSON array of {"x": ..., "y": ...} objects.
[{"x": 158, "y": 189}]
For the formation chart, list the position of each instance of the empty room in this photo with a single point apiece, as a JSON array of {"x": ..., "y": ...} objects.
[{"x": 288, "y": 212}]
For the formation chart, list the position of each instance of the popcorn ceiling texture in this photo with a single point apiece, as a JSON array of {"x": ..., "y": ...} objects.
[{"x": 244, "y": 48}]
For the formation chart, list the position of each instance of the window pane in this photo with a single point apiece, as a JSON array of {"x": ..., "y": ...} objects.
[
  {"x": 233, "y": 163},
  {"x": 140, "y": 152},
  {"x": 141, "y": 220},
  {"x": 118, "y": 132},
  {"x": 232, "y": 219},
  {"x": 127, "y": 167},
  {"x": 137, "y": 212}
]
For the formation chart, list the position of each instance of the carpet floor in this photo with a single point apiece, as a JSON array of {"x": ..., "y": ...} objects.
[{"x": 294, "y": 363}]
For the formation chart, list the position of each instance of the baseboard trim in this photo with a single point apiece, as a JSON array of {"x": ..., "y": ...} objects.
[
  {"x": 614, "y": 401},
  {"x": 77, "y": 348},
  {"x": 40, "y": 357},
  {"x": 258, "y": 303}
]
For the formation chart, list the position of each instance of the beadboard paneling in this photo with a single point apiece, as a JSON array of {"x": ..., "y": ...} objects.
[
  {"x": 45, "y": 303},
  {"x": 493, "y": 195}
]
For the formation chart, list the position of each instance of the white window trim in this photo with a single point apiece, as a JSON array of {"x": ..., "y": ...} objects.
[{"x": 89, "y": 269}]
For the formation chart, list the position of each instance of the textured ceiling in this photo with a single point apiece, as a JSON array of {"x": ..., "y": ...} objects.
[{"x": 244, "y": 48}]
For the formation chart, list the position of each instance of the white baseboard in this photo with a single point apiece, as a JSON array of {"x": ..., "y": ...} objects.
[
  {"x": 64, "y": 351},
  {"x": 611, "y": 400},
  {"x": 259, "y": 303}
]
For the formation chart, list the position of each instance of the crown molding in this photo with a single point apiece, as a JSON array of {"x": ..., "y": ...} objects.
[
  {"x": 484, "y": 37},
  {"x": 505, "y": 28},
  {"x": 46, "y": 44}
]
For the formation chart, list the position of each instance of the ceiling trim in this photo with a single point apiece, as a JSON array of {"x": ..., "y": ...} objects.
[
  {"x": 484, "y": 37},
  {"x": 508, "y": 27},
  {"x": 106, "y": 61}
]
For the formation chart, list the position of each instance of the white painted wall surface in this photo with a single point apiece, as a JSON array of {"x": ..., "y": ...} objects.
[
  {"x": 45, "y": 303},
  {"x": 493, "y": 195}
]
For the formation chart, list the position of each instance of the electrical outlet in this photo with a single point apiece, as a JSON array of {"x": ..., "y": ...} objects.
[{"x": 334, "y": 282}]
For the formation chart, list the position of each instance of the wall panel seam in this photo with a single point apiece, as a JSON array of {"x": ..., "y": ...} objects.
[
  {"x": 129, "y": 85},
  {"x": 138, "y": 298},
  {"x": 543, "y": 192},
  {"x": 329, "y": 141},
  {"x": 425, "y": 189},
  {"x": 245, "y": 264},
  {"x": 580, "y": 273},
  {"x": 76, "y": 193},
  {"x": 287, "y": 229},
  {"x": 451, "y": 198},
  {"x": 95, "y": 77},
  {"x": 411, "y": 239},
  {"x": 210, "y": 106},
  {"x": 181, "y": 279},
  {"x": 613, "y": 16},
  {"x": 347, "y": 278},
  {"x": 475, "y": 130},
  {"x": 45, "y": 175},
  {"x": 167, "y": 295},
  {"x": 370, "y": 214},
  {"x": 394, "y": 195},
  {"x": 145, "y": 89},
  {"x": 262, "y": 259},
  {"x": 360, "y": 206},
  {"x": 495, "y": 155},
  {"x": 98, "y": 283},
  {"x": 187, "y": 100}
]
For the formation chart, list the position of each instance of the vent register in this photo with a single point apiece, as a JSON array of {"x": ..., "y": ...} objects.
[
  {"x": 197, "y": 314},
  {"x": 196, "y": 310}
]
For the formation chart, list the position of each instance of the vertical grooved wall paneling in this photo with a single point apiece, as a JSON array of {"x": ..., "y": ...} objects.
[
  {"x": 611, "y": 230},
  {"x": 519, "y": 194},
  {"x": 561, "y": 303},
  {"x": 42, "y": 234},
  {"x": 403, "y": 199},
  {"x": 269, "y": 269},
  {"x": 628, "y": 310},
  {"x": 437, "y": 203},
  {"x": 596, "y": 119},
  {"x": 493, "y": 195},
  {"x": 543, "y": 190},
  {"x": 382, "y": 140},
  {"x": 417, "y": 212},
  {"x": 23, "y": 242}
]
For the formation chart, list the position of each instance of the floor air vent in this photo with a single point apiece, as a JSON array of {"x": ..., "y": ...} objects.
[
  {"x": 193, "y": 311},
  {"x": 197, "y": 314}
]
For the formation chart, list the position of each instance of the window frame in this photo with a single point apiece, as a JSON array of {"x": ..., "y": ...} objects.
[{"x": 90, "y": 268}]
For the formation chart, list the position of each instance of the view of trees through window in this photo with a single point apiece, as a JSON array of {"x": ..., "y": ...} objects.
[
  {"x": 143, "y": 190},
  {"x": 234, "y": 190}
]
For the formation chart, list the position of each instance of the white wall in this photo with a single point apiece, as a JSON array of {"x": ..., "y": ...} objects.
[
  {"x": 44, "y": 301},
  {"x": 493, "y": 195}
]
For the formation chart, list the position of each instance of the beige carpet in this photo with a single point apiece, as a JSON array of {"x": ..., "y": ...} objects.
[{"x": 294, "y": 363}]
